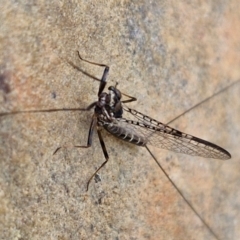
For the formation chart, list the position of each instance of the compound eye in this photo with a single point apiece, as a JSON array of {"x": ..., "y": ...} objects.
[
  {"x": 116, "y": 91},
  {"x": 118, "y": 94},
  {"x": 111, "y": 88}
]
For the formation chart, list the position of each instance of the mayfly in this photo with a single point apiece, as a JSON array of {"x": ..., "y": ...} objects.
[
  {"x": 108, "y": 114},
  {"x": 141, "y": 130}
]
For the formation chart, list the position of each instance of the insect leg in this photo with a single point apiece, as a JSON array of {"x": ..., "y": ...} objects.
[
  {"x": 89, "y": 107},
  {"x": 90, "y": 136},
  {"x": 105, "y": 155},
  {"x": 181, "y": 194},
  {"x": 132, "y": 99},
  {"x": 49, "y": 110},
  {"x": 103, "y": 80}
]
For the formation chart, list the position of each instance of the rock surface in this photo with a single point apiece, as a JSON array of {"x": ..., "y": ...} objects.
[{"x": 171, "y": 56}]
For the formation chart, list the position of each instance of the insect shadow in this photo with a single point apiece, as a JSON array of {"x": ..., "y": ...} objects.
[{"x": 141, "y": 130}]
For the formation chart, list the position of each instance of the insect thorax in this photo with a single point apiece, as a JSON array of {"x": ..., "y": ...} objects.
[{"x": 109, "y": 105}]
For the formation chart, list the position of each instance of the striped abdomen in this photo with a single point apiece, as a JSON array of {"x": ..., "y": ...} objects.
[{"x": 126, "y": 134}]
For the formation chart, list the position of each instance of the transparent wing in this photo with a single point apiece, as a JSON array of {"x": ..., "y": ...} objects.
[{"x": 160, "y": 135}]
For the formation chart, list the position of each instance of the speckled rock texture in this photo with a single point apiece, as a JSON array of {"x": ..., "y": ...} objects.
[{"x": 171, "y": 55}]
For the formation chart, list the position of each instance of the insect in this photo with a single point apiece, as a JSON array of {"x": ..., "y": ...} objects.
[
  {"x": 109, "y": 114},
  {"x": 140, "y": 130}
]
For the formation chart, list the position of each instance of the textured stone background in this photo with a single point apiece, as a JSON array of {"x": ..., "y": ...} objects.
[{"x": 171, "y": 55}]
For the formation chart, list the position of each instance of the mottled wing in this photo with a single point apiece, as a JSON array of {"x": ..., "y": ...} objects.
[{"x": 155, "y": 133}]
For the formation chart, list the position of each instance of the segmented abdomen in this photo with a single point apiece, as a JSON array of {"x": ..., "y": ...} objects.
[{"x": 124, "y": 134}]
